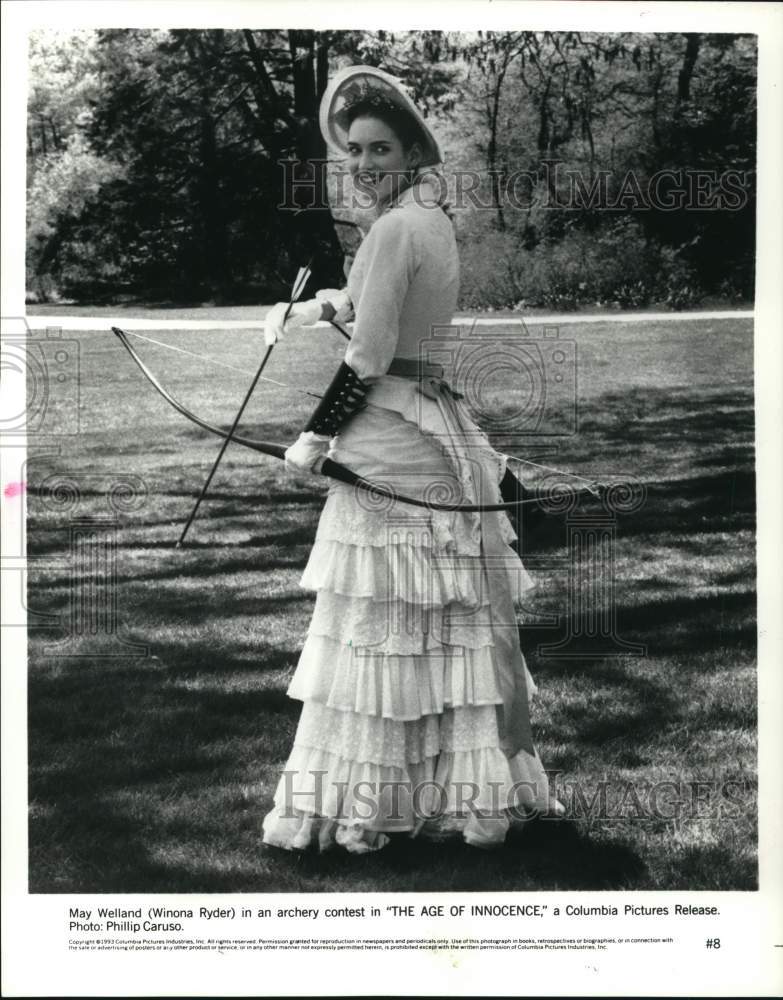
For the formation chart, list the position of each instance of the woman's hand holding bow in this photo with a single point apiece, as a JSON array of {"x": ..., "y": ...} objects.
[{"x": 306, "y": 453}]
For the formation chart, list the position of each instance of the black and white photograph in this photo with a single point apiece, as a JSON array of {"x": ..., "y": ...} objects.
[{"x": 383, "y": 513}]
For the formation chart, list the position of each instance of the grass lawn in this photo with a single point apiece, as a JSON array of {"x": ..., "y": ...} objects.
[{"x": 152, "y": 773}]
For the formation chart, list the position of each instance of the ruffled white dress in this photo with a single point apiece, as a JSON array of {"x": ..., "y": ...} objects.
[{"x": 403, "y": 676}]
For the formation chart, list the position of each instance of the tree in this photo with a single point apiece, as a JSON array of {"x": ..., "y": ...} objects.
[
  {"x": 65, "y": 175},
  {"x": 206, "y": 119},
  {"x": 156, "y": 158}
]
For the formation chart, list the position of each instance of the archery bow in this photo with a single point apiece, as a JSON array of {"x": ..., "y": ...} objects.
[{"x": 329, "y": 467}]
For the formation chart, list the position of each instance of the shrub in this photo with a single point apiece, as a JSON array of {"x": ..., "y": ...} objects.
[
  {"x": 678, "y": 287},
  {"x": 611, "y": 266}
]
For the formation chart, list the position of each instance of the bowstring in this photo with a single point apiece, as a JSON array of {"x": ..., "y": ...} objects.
[
  {"x": 222, "y": 364},
  {"x": 590, "y": 484}
]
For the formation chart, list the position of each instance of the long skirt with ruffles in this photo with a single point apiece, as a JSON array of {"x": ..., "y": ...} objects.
[{"x": 401, "y": 675}]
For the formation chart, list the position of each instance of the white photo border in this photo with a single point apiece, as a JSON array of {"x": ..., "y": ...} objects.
[{"x": 35, "y": 956}]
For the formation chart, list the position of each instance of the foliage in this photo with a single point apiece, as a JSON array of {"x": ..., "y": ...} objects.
[
  {"x": 573, "y": 107},
  {"x": 185, "y": 132},
  {"x": 66, "y": 176},
  {"x": 64, "y": 83},
  {"x": 64, "y": 186},
  {"x": 615, "y": 266}
]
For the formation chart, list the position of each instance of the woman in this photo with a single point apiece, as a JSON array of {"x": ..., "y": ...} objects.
[{"x": 415, "y": 717}]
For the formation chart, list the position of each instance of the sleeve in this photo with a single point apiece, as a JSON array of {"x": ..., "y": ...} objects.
[{"x": 391, "y": 258}]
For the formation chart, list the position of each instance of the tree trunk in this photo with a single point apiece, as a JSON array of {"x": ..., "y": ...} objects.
[
  {"x": 492, "y": 149},
  {"x": 656, "y": 100},
  {"x": 214, "y": 266},
  {"x": 543, "y": 123},
  {"x": 315, "y": 230},
  {"x": 692, "y": 46}
]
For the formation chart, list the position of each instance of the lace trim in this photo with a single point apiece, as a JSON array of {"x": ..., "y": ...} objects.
[
  {"x": 417, "y": 575},
  {"x": 400, "y": 627},
  {"x": 355, "y": 522},
  {"x": 367, "y": 738},
  {"x": 402, "y": 688},
  {"x": 378, "y": 740}
]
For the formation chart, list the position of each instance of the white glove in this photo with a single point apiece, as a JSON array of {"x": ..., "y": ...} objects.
[
  {"x": 340, "y": 301},
  {"x": 306, "y": 453},
  {"x": 302, "y": 314}
]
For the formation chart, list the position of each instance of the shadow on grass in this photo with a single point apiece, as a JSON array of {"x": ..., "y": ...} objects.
[
  {"x": 113, "y": 748},
  {"x": 705, "y": 414},
  {"x": 52, "y": 539},
  {"x": 697, "y": 505},
  {"x": 195, "y": 608},
  {"x": 141, "y": 721},
  {"x": 662, "y": 627},
  {"x": 543, "y": 855},
  {"x": 681, "y": 430}
]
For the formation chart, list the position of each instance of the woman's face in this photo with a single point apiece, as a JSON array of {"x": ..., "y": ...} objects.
[{"x": 377, "y": 161}]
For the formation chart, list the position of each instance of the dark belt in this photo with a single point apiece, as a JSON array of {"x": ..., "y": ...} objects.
[
  {"x": 430, "y": 377},
  {"x": 413, "y": 368}
]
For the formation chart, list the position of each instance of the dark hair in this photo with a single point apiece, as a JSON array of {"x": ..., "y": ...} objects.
[{"x": 403, "y": 124}]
